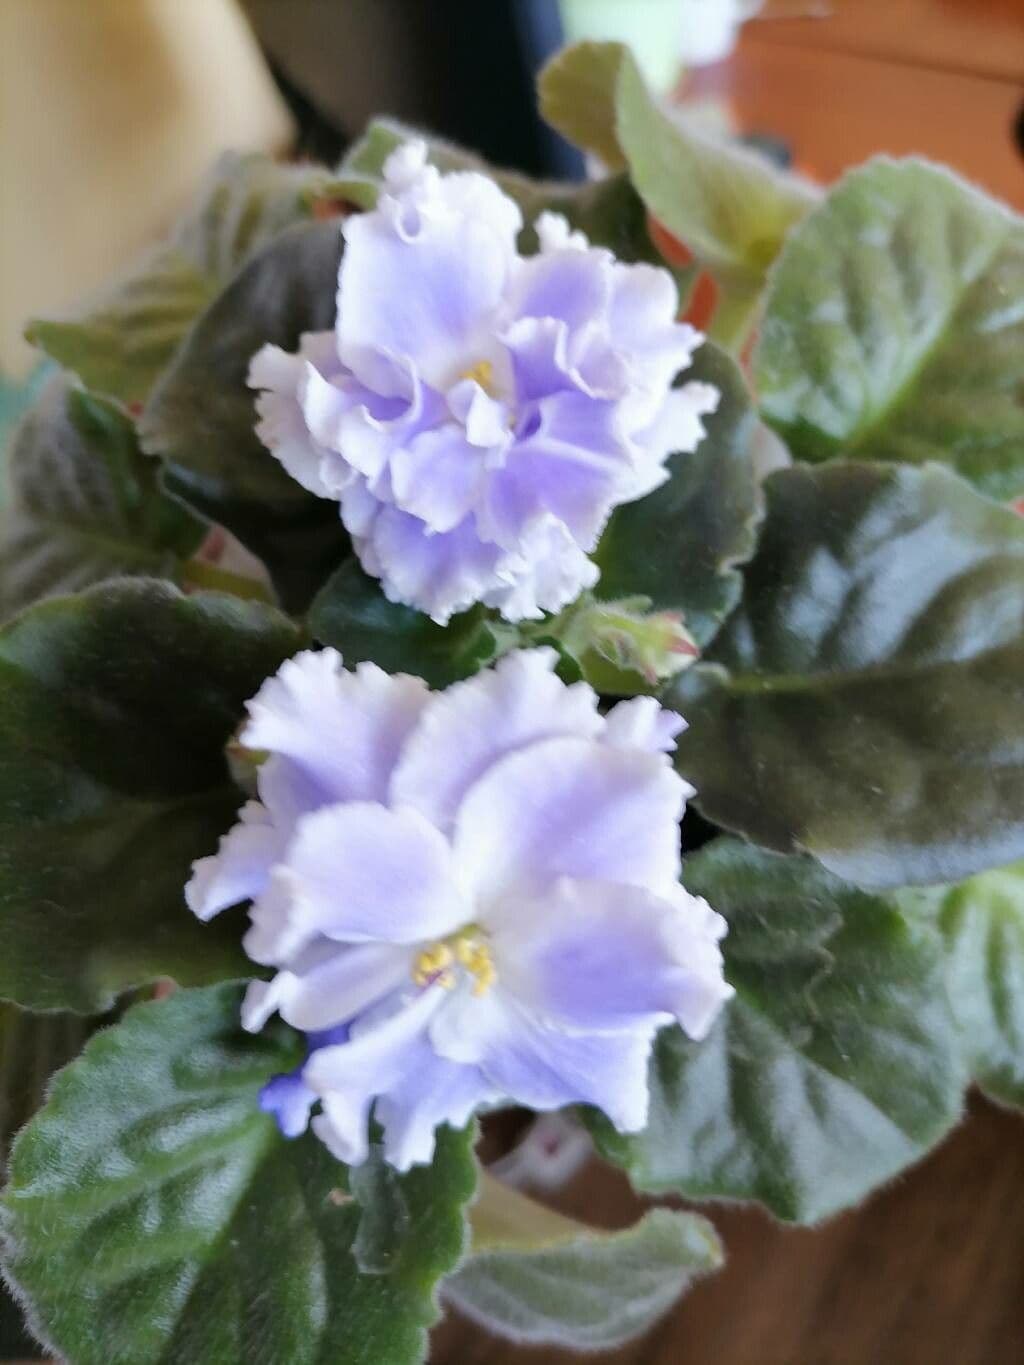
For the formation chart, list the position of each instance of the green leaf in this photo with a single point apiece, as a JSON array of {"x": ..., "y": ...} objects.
[
  {"x": 32, "y": 1048},
  {"x": 537, "y": 1277},
  {"x": 726, "y": 204},
  {"x": 129, "y": 335},
  {"x": 115, "y": 707},
  {"x": 982, "y": 921},
  {"x": 85, "y": 504},
  {"x": 352, "y": 614},
  {"x": 836, "y": 1065},
  {"x": 861, "y": 702},
  {"x": 681, "y": 544},
  {"x": 894, "y": 327},
  {"x": 201, "y": 418},
  {"x": 154, "y": 1214}
]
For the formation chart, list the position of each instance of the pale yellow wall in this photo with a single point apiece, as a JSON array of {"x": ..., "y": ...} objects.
[{"x": 110, "y": 111}]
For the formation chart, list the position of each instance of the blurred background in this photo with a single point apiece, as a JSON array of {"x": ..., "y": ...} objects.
[{"x": 110, "y": 111}]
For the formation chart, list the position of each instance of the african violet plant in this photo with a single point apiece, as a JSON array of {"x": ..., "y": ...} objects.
[{"x": 391, "y": 807}]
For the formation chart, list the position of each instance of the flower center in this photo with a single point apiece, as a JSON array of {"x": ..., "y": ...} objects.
[
  {"x": 483, "y": 374},
  {"x": 436, "y": 964}
]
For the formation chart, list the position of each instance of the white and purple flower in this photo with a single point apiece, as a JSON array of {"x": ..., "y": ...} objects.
[
  {"x": 478, "y": 414},
  {"x": 469, "y": 896}
]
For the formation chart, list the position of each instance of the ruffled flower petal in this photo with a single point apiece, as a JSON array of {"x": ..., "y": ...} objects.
[
  {"x": 465, "y": 897},
  {"x": 239, "y": 869},
  {"x": 441, "y": 572},
  {"x": 359, "y": 872},
  {"x": 480, "y": 414},
  {"x": 569, "y": 468},
  {"x": 568, "y": 808},
  {"x": 342, "y": 730},
  {"x": 601, "y": 957},
  {"x": 544, "y": 1067},
  {"x": 467, "y": 728},
  {"x": 329, "y": 985},
  {"x": 643, "y": 723},
  {"x": 438, "y": 477},
  {"x": 282, "y": 425},
  {"x": 424, "y": 277},
  {"x": 348, "y": 1077}
]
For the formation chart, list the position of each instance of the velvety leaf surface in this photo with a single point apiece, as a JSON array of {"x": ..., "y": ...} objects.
[
  {"x": 352, "y": 614},
  {"x": 32, "y": 1048},
  {"x": 115, "y": 707},
  {"x": 201, "y": 416},
  {"x": 894, "y": 327},
  {"x": 154, "y": 1214},
  {"x": 680, "y": 545},
  {"x": 835, "y": 1066},
  {"x": 539, "y": 1278},
  {"x": 982, "y": 921},
  {"x": 864, "y": 700},
  {"x": 84, "y": 504},
  {"x": 727, "y": 205},
  {"x": 123, "y": 341}
]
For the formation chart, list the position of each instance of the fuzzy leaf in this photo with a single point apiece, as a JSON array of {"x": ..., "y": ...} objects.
[
  {"x": 85, "y": 504},
  {"x": 124, "y": 340},
  {"x": 32, "y": 1048},
  {"x": 201, "y": 418},
  {"x": 539, "y": 1278},
  {"x": 681, "y": 544},
  {"x": 836, "y": 1065},
  {"x": 894, "y": 327},
  {"x": 352, "y": 614},
  {"x": 982, "y": 921},
  {"x": 115, "y": 707},
  {"x": 860, "y": 703},
  {"x": 155, "y": 1215}
]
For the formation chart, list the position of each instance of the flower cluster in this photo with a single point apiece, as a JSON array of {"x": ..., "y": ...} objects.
[
  {"x": 478, "y": 414},
  {"x": 468, "y": 896}
]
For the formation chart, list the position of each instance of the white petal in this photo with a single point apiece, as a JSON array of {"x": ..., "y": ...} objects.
[
  {"x": 677, "y": 427},
  {"x": 472, "y": 724},
  {"x": 439, "y": 573},
  {"x": 573, "y": 467},
  {"x": 329, "y": 986},
  {"x": 423, "y": 277},
  {"x": 240, "y": 869},
  {"x": 569, "y": 808},
  {"x": 349, "y": 1076},
  {"x": 438, "y": 476},
  {"x": 281, "y": 426},
  {"x": 601, "y": 957},
  {"x": 643, "y": 723},
  {"x": 550, "y": 572},
  {"x": 542, "y": 1066},
  {"x": 433, "y": 1091},
  {"x": 363, "y": 873},
  {"x": 343, "y": 730}
]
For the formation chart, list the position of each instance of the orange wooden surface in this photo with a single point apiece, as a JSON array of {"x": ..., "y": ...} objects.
[
  {"x": 897, "y": 76},
  {"x": 983, "y": 37},
  {"x": 930, "y": 1271}
]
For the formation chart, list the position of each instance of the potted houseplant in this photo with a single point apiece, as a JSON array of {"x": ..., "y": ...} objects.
[{"x": 394, "y": 587}]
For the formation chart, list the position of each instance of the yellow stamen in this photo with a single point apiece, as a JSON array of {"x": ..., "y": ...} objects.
[
  {"x": 483, "y": 373},
  {"x": 433, "y": 966}
]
